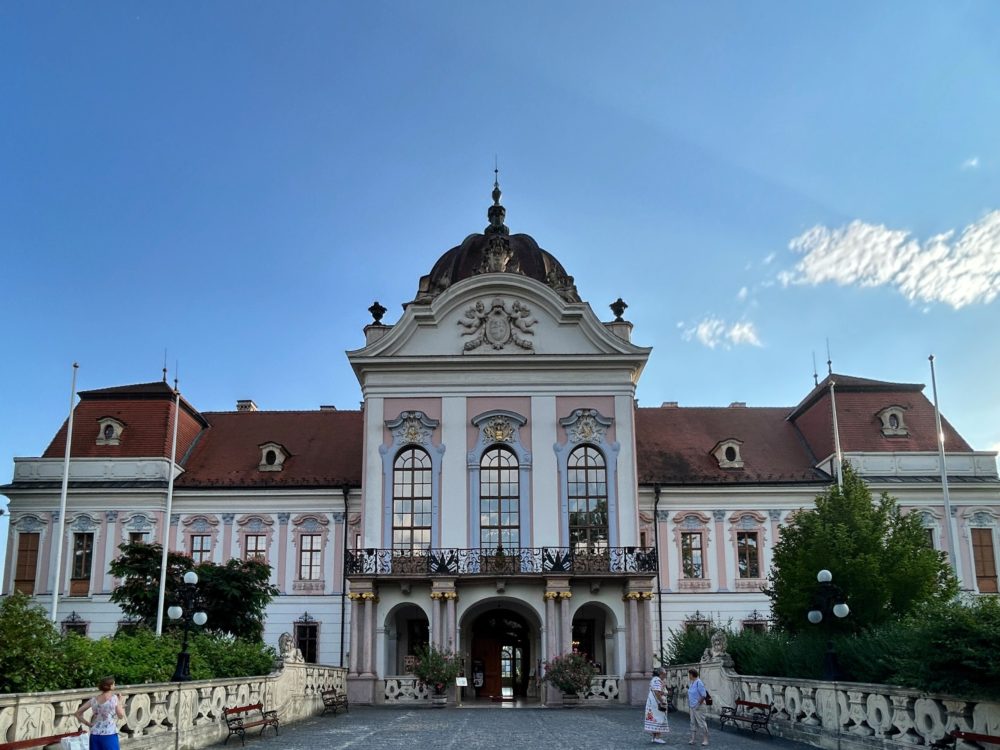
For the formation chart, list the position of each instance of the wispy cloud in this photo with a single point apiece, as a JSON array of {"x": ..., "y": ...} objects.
[
  {"x": 741, "y": 295},
  {"x": 714, "y": 332},
  {"x": 957, "y": 270},
  {"x": 770, "y": 257},
  {"x": 971, "y": 163}
]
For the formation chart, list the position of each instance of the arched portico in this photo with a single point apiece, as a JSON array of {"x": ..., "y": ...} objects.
[
  {"x": 594, "y": 628},
  {"x": 407, "y": 628},
  {"x": 501, "y": 646}
]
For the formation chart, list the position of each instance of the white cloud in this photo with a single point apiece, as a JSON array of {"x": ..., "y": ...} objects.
[
  {"x": 770, "y": 258},
  {"x": 958, "y": 270},
  {"x": 971, "y": 163},
  {"x": 713, "y": 332},
  {"x": 741, "y": 295}
]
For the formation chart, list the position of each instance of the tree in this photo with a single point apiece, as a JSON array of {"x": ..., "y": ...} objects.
[
  {"x": 234, "y": 596},
  {"x": 31, "y": 655},
  {"x": 879, "y": 558}
]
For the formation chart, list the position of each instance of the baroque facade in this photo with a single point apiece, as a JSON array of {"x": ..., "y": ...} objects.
[{"x": 499, "y": 493}]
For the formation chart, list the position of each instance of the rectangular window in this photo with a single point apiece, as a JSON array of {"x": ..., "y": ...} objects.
[
  {"x": 307, "y": 640},
  {"x": 758, "y": 626},
  {"x": 201, "y": 548},
  {"x": 691, "y": 559},
  {"x": 83, "y": 561},
  {"x": 309, "y": 557},
  {"x": 76, "y": 625},
  {"x": 255, "y": 547},
  {"x": 138, "y": 537},
  {"x": 985, "y": 560},
  {"x": 930, "y": 538},
  {"x": 747, "y": 554},
  {"x": 27, "y": 563}
]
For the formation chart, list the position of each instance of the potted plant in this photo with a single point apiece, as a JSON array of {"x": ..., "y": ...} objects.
[
  {"x": 437, "y": 670},
  {"x": 571, "y": 673}
]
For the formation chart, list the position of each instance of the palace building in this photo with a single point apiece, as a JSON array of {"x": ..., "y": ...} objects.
[{"x": 499, "y": 493}]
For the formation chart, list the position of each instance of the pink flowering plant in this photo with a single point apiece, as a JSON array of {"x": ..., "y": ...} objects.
[
  {"x": 437, "y": 669},
  {"x": 571, "y": 673}
]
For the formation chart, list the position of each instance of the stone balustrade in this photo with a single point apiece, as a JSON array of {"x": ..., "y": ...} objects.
[
  {"x": 841, "y": 714},
  {"x": 182, "y": 716},
  {"x": 604, "y": 689}
]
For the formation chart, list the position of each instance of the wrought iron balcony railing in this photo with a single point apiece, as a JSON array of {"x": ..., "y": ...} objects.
[{"x": 511, "y": 562}]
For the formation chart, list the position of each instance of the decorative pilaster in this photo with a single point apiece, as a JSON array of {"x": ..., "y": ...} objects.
[
  {"x": 352, "y": 667},
  {"x": 369, "y": 639}
]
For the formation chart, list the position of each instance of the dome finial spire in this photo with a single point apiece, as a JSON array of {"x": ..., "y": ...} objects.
[{"x": 496, "y": 213}]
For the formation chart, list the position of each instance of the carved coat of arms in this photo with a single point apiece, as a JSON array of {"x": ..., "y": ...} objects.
[{"x": 498, "y": 326}]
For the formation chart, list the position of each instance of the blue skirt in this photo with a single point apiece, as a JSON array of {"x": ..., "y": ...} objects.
[{"x": 104, "y": 742}]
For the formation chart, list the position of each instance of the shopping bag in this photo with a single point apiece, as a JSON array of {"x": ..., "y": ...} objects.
[{"x": 77, "y": 742}]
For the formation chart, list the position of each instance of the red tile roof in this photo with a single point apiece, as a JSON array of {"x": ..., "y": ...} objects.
[
  {"x": 146, "y": 410},
  {"x": 858, "y": 403},
  {"x": 325, "y": 449},
  {"x": 674, "y": 446}
]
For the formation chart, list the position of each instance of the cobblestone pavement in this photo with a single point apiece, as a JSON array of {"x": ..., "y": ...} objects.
[{"x": 479, "y": 728}]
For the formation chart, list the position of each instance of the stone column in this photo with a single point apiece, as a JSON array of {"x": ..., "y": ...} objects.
[
  {"x": 551, "y": 625},
  {"x": 435, "y": 635},
  {"x": 647, "y": 633},
  {"x": 369, "y": 665},
  {"x": 352, "y": 667},
  {"x": 632, "y": 604},
  {"x": 451, "y": 637},
  {"x": 566, "y": 632}
]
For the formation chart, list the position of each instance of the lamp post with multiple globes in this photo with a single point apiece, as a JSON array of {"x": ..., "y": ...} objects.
[
  {"x": 828, "y": 600},
  {"x": 188, "y": 598}
]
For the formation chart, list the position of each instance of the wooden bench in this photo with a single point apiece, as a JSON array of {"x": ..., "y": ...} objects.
[
  {"x": 755, "y": 715},
  {"x": 40, "y": 742},
  {"x": 332, "y": 700},
  {"x": 239, "y": 720},
  {"x": 958, "y": 734}
]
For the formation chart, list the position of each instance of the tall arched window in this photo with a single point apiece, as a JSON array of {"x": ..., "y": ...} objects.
[
  {"x": 499, "y": 500},
  {"x": 411, "y": 500},
  {"x": 588, "y": 499}
]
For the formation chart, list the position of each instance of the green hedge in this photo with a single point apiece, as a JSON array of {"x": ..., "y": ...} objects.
[
  {"x": 36, "y": 658},
  {"x": 950, "y": 649}
]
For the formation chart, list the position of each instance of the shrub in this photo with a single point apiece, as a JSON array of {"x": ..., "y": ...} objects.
[
  {"x": 436, "y": 668},
  {"x": 685, "y": 646},
  {"x": 30, "y": 659},
  {"x": 571, "y": 673}
]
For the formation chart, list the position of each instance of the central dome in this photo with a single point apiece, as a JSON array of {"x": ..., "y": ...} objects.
[{"x": 496, "y": 250}]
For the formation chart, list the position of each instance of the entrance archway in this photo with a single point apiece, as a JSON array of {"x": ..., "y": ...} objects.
[{"x": 501, "y": 655}]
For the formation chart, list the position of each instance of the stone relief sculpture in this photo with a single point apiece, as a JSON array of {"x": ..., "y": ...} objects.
[{"x": 497, "y": 326}]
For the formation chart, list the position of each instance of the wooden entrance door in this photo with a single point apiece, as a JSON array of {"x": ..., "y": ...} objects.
[{"x": 492, "y": 632}]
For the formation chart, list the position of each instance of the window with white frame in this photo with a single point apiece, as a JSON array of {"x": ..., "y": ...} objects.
[
  {"x": 201, "y": 548},
  {"x": 692, "y": 561},
  {"x": 255, "y": 547},
  {"x": 411, "y": 500},
  {"x": 587, "y": 499},
  {"x": 310, "y": 557},
  {"x": 499, "y": 500},
  {"x": 748, "y": 554}
]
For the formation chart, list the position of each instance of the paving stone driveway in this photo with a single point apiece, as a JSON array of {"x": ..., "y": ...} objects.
[{"x": 480, "y": 728}]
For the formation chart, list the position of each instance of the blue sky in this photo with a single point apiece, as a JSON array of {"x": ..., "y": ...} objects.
[{"x": 237, "y": 182}]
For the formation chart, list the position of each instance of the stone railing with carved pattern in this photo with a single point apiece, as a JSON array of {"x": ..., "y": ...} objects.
[
  {"x": 515, "y": 561},
  {"x": 843, "y": 714},
  {"x": 156, "y": 713},
  {"x": 404, "y": 689}
]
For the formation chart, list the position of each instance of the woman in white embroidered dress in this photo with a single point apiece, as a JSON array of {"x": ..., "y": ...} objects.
[
  {"x": 655, "y": 720},
  {"x": 107, "y": 708}
]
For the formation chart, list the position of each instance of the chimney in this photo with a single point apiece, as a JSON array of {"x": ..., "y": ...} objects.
[
  {"x": 738, "y": 405},
  {"x": 246, "y": 404},
  {"x": 327, "y": 407}
]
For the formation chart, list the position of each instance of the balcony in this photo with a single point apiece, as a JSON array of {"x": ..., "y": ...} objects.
[{"x": 521, "y": 561}]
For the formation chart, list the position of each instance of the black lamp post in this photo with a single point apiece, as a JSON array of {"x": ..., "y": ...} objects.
[
  {"x": 828, "y": 600},
  {"x": 187, "y": 596}
]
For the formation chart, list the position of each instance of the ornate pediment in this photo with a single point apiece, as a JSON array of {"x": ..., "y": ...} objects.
[{"x": 412, "y": 427}]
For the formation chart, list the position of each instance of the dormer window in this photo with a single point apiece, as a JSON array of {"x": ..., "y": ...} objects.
[
  {"x": 893, "y": 422},
  {"x": 109, "y": 431},
  {"x": 728, "y": 454},
  {"x": 272, "y": 457}
]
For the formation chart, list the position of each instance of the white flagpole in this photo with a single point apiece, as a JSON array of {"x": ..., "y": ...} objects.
[
  {"x": 61, "y": 524},
  {"x": 944, "y": 473},
  {"x": 166, "y": 518},
  {"x": 836, "y": 437}
]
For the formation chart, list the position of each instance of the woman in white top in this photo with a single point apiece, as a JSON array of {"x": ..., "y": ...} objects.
[{"x": 106, "y": 709}]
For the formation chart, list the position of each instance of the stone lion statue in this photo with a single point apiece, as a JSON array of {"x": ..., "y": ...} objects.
[{"x": 287, "y": 648}]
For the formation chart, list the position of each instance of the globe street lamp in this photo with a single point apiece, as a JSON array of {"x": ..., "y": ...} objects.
[
  {"x": 187, "y": 596},
  {"x": 828, "y": 599}
]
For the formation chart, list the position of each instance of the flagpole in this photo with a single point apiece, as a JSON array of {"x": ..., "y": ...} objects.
[
  {"x": 166, "y": 518},
  {"x": 836, "y": 437},
  {"x": 944, "y": 473},
  {"x": 61, "y": 524}
]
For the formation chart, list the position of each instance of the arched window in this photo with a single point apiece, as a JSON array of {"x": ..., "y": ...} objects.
[
  {"x": 499, "y": 500},
  {"x": 588, "y": 499},
  {"x": 411, "y": 500}
]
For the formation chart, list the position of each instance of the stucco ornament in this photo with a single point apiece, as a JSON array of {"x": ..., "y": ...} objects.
[
  {"x": 412, "y": 430},
  {"x": 498, "y": 326},
  {"x": 499, "y": 429},
  {"x": 586, "y": 430},
  {"x": 289, "y": 651}
]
